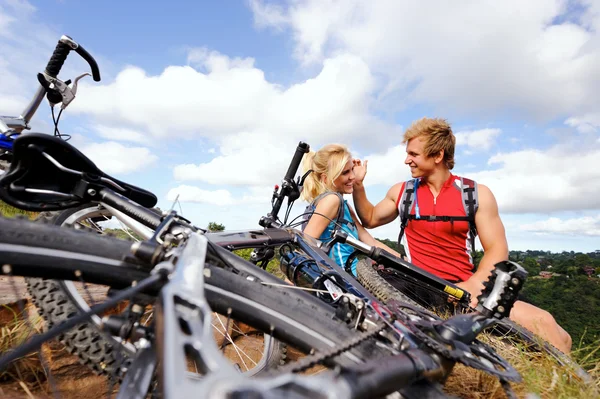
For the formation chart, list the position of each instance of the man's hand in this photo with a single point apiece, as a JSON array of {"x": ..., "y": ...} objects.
[
  {"x": 360, "y": 171},
  {"x": 474, "y": 287}
]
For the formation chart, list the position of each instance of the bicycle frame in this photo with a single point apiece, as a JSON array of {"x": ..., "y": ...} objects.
[{"x": 123, "y": 210}]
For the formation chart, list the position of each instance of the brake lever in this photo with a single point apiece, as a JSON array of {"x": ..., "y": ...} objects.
[
  {"x": 67, "y": 94},
  {"x": 73, "y": 89}
]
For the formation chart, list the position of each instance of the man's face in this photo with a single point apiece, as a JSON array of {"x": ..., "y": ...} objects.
[{"x": 420, "y": 165}]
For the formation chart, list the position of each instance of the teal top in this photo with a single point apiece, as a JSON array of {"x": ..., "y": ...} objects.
[{"x": 341, "y": 252}]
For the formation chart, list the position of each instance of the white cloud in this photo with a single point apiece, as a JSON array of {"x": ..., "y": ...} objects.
[
  {"x": 112, "y": 157},
  {"x": 559, "y": 179},
  {"x": 18, "y": 68},
  {"x": 268, "y": 15},
  {"x": 589, "y": 123},
  {"x": 387, "y": 168},
  {"x": 583, "y": 226},
  {"x": 121, "y": 134},
  {"x": 245, "y": 159},
  {"x": 482, "y": 139},
  {"x": 233, "y": 96},
  {"x": 460, "y": 55}
]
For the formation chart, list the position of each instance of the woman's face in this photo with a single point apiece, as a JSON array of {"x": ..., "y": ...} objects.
[{"x": 344, "y": 183}]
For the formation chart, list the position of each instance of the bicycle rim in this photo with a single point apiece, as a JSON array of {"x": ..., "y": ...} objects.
[{"x": 97, "y": 350}]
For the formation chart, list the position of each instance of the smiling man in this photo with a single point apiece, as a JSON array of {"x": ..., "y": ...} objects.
[{"x": 440, "y": 215}]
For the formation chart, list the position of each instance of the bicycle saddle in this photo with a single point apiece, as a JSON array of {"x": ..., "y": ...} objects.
[{"x": 49, "y": 174}]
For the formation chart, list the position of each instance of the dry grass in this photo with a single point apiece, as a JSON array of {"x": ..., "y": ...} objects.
[
  {"x": 15, "y": 330},
  {"x": 542, "y": 376}
]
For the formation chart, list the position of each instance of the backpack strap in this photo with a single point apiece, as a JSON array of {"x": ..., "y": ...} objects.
[
  {"x": 405, "y": 204},
  {"x": 470, "y": 202}
]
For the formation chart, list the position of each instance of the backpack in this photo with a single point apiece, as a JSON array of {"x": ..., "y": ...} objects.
[
  {"x": 310, "y": 210},
  {"x": 469, "y": 197}
]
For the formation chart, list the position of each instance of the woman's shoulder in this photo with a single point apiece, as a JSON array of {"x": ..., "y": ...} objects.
[{"x": 329, "y": 202}]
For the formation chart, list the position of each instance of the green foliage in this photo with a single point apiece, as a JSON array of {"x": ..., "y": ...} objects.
[
  {"x": 575, "y": 304},
  {"x": 532, "y": 267},
  {"x": 477, "y": 258},
  {"x": 215, "y": 227}
]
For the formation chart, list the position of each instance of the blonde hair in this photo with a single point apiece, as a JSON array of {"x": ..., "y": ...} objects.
[
  {"x": 438, "y": 136},
  {"x": 329, "y": 161}
]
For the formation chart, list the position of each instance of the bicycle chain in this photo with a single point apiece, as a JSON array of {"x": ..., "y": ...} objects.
[
  {"x": 320, "y": 357},
  {"x": 451, "y": 350}
]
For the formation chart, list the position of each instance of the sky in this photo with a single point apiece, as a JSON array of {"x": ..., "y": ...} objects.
[{"x": 207, "y": 100}]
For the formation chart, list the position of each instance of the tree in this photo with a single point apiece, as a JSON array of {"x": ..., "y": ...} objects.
[
  {"x": 582, "y": 260},
  {"x": 531, "y": 266},
  {"x": 215, "y": 227}
]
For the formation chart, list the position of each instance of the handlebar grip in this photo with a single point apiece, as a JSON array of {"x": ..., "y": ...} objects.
[
  {"x": 58, "y": 58},
  {"x": 90, "y": 60},
  {"x": 302, "y": 149}
]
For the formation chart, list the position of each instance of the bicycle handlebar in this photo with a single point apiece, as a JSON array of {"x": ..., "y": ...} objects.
[
  {"x": 288, "y": 186},
  {"x": 61, "y": 51},
  {"x": 302, "y": 149}
]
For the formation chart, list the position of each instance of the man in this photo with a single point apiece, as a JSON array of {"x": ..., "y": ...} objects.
[{"x": 442, "y": 247}]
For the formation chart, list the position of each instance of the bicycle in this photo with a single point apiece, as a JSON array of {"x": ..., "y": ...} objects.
[{"x": 188, "y": 270}]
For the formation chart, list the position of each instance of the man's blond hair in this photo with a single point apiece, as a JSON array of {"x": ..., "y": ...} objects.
[{"x": 437, "y": 134}]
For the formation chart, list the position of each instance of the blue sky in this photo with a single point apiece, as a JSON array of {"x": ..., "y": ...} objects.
[{"x": 209, "y": 99}]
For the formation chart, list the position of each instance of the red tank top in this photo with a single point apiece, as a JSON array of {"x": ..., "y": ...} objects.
[{"x": 441, "y": 248}]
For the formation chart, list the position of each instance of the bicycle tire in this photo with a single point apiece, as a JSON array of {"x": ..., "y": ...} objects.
[
  {"x": 382, "y": 290},
  {"x": 57, "y": 300},
  {"x": 293, "y": 316},
  {"x": 505, "y": 328}
]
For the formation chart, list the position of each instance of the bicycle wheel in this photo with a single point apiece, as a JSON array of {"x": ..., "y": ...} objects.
[
  {"x": 96, "y": 350},
  {"x": 386, "y": 286},
  {"x": 379, "y": 287},
  {"x": 292, "y": 316}
]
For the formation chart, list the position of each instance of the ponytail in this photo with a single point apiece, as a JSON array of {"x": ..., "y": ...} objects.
[{"x": 329, "y": 161}]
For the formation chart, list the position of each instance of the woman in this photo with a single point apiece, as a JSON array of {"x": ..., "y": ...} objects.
[{"x": 332, "y": 172}]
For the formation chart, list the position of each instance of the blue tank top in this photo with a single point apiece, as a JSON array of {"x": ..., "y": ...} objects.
[{"x": 341, "y": 252}]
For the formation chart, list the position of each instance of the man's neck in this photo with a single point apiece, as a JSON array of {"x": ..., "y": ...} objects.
[{"x": 436, "y": 180}]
